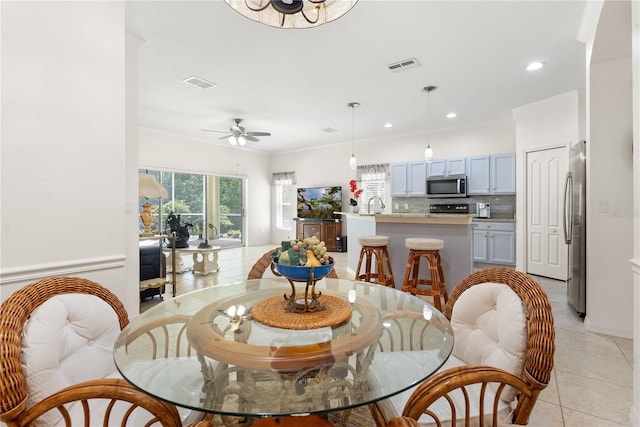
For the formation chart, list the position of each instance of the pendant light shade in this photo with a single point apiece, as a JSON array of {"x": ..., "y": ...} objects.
[
  {"x": 428, "y": 152},
  {"x": 353, "y": 163}
]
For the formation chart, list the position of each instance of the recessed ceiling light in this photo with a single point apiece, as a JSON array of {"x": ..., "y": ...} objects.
[
  {"x": 451, "y": 115},
  {"x": 388, "y": 125},
  {"x": 535, "y": 66}
]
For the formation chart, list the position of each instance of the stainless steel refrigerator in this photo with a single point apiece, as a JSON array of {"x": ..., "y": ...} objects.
[{"x": 575, "y": 228}]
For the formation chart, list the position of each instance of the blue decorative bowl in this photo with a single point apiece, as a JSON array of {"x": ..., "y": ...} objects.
[{"x": 301, "y": 272}]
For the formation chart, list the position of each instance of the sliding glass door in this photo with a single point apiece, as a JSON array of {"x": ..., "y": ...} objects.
[
  {"x": 210, "y": 206},
  {"x": 230, "y": 211}
]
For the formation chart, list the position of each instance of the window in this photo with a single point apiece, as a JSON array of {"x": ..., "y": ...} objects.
[
  {"x": 372, "y": 181},
  {"x": 284, "y": 199}
]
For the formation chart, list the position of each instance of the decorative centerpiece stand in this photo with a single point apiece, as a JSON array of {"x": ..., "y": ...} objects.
[{"x": 309, "y": 301}]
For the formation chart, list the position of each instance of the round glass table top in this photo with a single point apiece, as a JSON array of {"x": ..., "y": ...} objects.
[{"x": 207, "y": 351}]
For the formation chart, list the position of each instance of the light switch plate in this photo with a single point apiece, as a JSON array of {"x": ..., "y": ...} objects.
[{"x": 603, "y": 206}]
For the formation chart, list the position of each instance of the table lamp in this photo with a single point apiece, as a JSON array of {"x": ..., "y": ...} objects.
[{"x": 149, "y": 188}]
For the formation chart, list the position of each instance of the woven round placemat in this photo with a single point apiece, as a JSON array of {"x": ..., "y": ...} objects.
[{"x": 272, "y": 312}]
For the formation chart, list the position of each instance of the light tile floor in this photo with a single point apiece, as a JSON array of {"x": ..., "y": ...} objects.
[{"x": 592, "y": 380}]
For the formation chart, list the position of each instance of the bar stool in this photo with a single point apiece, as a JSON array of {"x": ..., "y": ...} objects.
[
  {"x": 375, "y": 246},
  {"x": 428, "y": 249}
]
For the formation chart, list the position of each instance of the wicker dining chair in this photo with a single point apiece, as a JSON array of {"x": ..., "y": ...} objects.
[
  {"x": 264, "y": 262},
  {"x": 80, "y": 320},
  {"x": 460, "y": 386}
]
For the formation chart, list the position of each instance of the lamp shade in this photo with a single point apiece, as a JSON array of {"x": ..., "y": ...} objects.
[
  {"x": 290, "y": 13},
  {"x": 149, "y": 188}
]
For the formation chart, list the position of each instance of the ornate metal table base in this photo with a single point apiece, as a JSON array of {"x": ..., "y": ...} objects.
[{"x": 307, "y": 303}]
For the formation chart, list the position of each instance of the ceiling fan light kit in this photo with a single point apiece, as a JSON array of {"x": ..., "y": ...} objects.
[
  {"x": 237, "y": 135},
  {"x": 292, "y": 13}
]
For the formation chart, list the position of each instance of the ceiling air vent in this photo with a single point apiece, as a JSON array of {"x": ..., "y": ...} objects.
[
  {"x": 197, "y": 81},
  {"x": 329, "y": 130},
  {"x": 403, "y": 65}
]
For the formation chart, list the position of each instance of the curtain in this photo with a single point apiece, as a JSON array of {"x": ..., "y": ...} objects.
[
  {"x": 378, "y": 168},
  {"x": 282, "y": 176}
]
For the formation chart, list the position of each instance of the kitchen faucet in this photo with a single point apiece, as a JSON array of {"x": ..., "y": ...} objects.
[{"x": 381, "y": 207}]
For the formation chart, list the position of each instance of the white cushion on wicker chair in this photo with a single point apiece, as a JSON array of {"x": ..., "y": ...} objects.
[
  {"x": 403, "y": 369},
  {"x": 490, "y": 328},
  {"x": 67, "y": 340}
]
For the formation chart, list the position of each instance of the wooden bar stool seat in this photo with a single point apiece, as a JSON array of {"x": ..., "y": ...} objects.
[
  {"x": 435, "y": 285},
  {"x": 375, "y": 246}
]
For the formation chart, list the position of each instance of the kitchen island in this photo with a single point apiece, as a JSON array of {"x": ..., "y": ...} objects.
[{"x": 454, "y": 229}]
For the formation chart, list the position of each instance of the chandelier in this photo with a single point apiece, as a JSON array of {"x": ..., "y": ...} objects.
[{"x": 292, "y": 13}]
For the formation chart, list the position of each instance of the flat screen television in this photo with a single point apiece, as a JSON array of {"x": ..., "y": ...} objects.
[{"x": 319, "y": 202}]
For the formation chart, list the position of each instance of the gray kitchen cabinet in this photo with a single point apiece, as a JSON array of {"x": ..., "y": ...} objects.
[
  {"x": 503, "y": 173},
  {"x": 409, "y": 179},
  {"x": 478, "y": 175},
  {"x": 494, "y": 243},
  {"x": 399, "y": 186},
  {"x": 446, "y": 167},
  {"x": 491, "y": 174}
]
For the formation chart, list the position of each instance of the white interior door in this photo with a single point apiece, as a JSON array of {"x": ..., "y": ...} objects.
[{"x": 547, "y": 253}]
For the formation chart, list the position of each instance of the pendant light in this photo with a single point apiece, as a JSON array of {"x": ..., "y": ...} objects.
[
  {"x": 428, "y": 152},
  {"x": 353, "y": 163}
]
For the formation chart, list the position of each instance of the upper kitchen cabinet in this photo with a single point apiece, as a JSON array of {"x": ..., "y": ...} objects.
[
  {"x": 446, "y": 167},
  {"x": 408, "y": 179},
  {"x": 494, "y": 174}
]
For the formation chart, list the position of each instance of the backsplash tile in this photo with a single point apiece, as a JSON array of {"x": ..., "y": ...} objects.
[{"x": 502, "y": 207}]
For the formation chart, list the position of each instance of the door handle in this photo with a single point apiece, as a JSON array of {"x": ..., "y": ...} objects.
[{"x": 567, "y": 222}]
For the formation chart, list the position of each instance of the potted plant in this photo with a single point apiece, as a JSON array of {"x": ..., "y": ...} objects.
[{"x": 356, "y": 192}]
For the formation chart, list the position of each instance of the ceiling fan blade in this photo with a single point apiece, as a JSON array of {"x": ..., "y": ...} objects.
[
  {"x": 258, "y": 134},
  {"x": 250, "y": 138},
  {"x": 226, "y": 136},
  {"x": 217, "y": 131}
]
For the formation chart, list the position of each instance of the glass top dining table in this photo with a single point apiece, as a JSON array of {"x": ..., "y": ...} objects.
[{"x": 234, "y": 350}]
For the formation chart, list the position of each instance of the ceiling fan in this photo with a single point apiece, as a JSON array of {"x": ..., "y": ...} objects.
[{"x": 237, "y": 134}]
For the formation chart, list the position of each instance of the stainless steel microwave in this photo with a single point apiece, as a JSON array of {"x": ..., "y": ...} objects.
[{"x": 447, "y": 186}]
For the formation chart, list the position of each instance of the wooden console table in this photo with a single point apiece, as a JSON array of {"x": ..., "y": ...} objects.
[{"x": 327, "y": 231}]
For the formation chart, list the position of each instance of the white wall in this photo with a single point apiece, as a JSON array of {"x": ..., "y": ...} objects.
[
  {"x": 170, "y": 152},
  {"x": 63, "y": 145},
  {"x": 609, "y": 123},
  {"x": 634, "y": 415},
  {"x": 329, "y": 166},
  {"x": 610, "y": 200}
]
